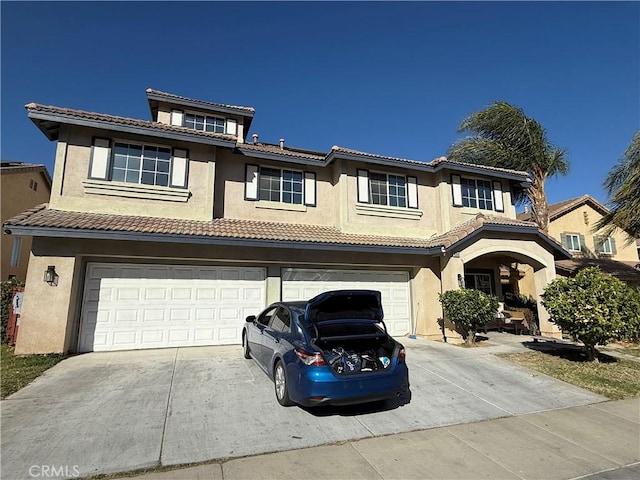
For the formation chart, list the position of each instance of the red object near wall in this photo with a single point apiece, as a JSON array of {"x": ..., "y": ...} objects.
[{"x": 14, "y": 315}]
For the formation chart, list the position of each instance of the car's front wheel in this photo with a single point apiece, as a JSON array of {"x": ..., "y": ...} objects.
[
  {"x": 280, "y": 382},
  {"x": 245, "y": 345}
]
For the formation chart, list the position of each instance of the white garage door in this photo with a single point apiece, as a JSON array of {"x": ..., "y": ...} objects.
[
  {"x": 129, "y": 306},
  {"x": 304, "y": 284}
]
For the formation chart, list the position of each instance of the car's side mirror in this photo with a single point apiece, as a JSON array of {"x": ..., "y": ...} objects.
[{"x": 251, "y": 318}]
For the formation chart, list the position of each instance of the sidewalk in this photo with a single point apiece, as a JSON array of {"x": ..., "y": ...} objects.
[{"x": 599, "y": 441}]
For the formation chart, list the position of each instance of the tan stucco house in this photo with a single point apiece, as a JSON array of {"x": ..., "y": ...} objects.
[
  {"x": 169, "y": 232},
  {"x": 572, "y": 223},
  {"x": 22, "y": 186}
]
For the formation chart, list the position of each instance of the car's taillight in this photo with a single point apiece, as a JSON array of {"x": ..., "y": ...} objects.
[
  {"x": 402, "y": 354},
  {"x": 314, "y": 359}
]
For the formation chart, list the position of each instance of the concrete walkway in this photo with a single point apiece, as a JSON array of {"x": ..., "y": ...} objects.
[{"x": 600, "y": 441}]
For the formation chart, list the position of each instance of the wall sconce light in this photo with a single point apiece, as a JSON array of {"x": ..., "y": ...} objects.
[
  {"x": 50, "y": 275},
  {"x": 460, "y": 281}
]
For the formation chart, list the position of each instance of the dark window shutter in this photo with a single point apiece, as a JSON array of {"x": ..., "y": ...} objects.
[{"x": 564, "y": 241}]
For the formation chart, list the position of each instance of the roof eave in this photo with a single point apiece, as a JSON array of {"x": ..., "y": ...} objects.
[
  {"x": 187, "y": 102},
  {"x": 427, "y": 167},
  {"x": 559, "y": 252},
  {"x": 54, "y": 232},
  {"x": 40, "y": 117},
  {"x": 280, "y": 158}
]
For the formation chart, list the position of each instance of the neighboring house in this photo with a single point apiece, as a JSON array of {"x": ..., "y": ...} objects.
[
  {"x": 572, "y": 222},
  {"x": 23, "y": 186},
  {"x": 170, "y": 232}
]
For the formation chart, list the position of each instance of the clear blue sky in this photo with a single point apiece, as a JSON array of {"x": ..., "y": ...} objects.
[{"x": 388, "y": 78}]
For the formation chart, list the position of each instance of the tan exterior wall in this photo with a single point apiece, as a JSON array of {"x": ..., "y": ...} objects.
[
  {"x": 46, "y": 324},
  {"x": 17, "y": 197},
  {"x": 72, "y": 168},
  {"x": 230, "y": 195},
  {"x": 388, "y": 221},
  {"x": 450, "y": 216},
  {"x": 581, "y": 221},
  {"x": 51, "y": 314}
]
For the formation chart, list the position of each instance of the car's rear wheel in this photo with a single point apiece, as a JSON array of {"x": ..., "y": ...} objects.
[
  {"x": 280, "y": 382},
  {"x": 245, "y": 345}
]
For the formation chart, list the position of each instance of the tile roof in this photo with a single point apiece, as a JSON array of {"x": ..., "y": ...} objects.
[
  {"x": 180, "y": 98},
  {"x": 122, "y": 121},
  {"x": 44, "y": 217},
  {"x": 226, "y": 228},
  {"x": 287, "y": 151},
  {"x": 433, "y": 163},
  {"x": 560, "y": 208},
  {"x": 620, "y": 270},
  {"x": 464, "y": 229}
]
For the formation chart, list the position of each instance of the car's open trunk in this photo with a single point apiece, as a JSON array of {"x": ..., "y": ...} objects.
[{"x": 353, "y": 348}]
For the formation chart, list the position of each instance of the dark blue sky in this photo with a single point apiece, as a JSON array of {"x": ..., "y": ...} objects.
[{"x": 388, "y": 78}]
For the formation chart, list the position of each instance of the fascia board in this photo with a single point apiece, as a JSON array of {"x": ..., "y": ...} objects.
[
  {"x": 222, "y": 241},
  {"x": 136, "y": 130},
  {"x": 199, "y": 105}
]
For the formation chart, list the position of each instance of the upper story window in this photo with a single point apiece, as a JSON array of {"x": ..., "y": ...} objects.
[
  {"x": 477, "y": 193},
  {"x": 139, "y": 164},
  {"x": 204, "y": 123},
  {"x": 574, "y": 242},
  {"x": 143, "y": 164},
  {"x": 280, "y": 185},
  {"x": 387, "y": 189},
  {"x": 605, "y": 245}
]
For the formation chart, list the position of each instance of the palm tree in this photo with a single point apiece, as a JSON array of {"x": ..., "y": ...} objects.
[
  {"x": 503, "y": 136},
  {"x": 623, "y": 186}
]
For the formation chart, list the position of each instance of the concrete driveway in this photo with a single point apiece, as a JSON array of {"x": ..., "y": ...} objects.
[{"x": 111, "y": 412}]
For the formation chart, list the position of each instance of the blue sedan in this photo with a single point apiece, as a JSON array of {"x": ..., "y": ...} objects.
[{"x": 333, "y": 349}]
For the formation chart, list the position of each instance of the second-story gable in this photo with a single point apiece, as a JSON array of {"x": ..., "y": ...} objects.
[{"x": 572, "y": 223}]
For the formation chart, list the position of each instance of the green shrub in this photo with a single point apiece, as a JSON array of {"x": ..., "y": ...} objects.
[
  {"x": 469, "y": 310},
  {"x": 592, "y": 308},
  {"x": 7, "y": 296}
]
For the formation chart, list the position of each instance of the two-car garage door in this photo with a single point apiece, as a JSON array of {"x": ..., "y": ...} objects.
[
  {"x": 136, "y": 306},
  {"x": 130, "y": 306}
]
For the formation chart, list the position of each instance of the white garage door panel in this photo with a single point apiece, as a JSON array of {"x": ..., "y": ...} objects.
[
  {"x": 154, "y": 306},
  {"x": 303, "y": 284}
]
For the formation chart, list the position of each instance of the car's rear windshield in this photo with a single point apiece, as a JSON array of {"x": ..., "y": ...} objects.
[{"x": 351, "y": 328}]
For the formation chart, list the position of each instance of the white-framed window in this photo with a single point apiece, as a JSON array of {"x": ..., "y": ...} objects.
[
  {"x": 605, "y": 245},
  {"x": 133, "y": 163},
  {"x": 277, "y": 185},
  {"x": 386, "y": 189},
  {"x": 477, "y": 193},
  {"x": 479, "y": 281},
  {"x": 273, "y": 184},
  {"x": 204, "y": 123},
  {"x": 572, "y": 241},
  {"x": 143, "y": 164},
  {"x": 15, "y": 251}
]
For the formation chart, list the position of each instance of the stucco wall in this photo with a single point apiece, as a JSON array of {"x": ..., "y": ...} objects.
[
  {"x": 46, "y": 321},
  {"x": 72, "y": 167},
  {"x": 17, "y": 197},
  {"x": 384, "y": 220},
  {"x": 230, "y": 193},
  {"x": 581, "y": 220},
  {"x": 51, "y": 313}
]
